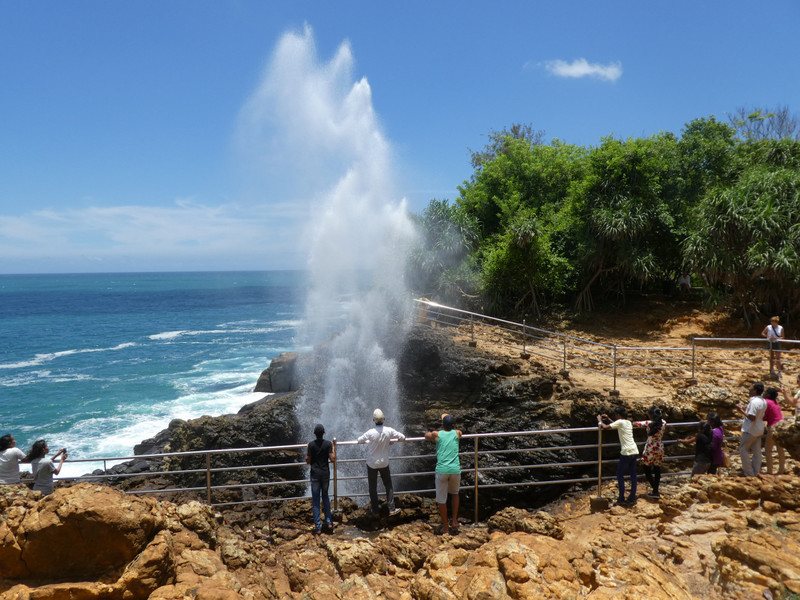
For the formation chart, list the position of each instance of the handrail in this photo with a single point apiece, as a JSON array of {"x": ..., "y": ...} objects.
[
  {"x": 684, "y": 362},
  {"x": 470, "y": 467}
]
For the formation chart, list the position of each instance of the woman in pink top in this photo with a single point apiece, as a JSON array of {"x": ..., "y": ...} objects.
[{"x": 772, "y": 417}]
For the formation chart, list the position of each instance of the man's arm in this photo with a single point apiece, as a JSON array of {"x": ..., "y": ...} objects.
[
  {"x": 363, "y": 439},
  {"x": 431, "y": 436},
  {"x": 308, "y": 458},
  {"x": 397, "y": 436},
  {"x": 332, "y": 454},
  {"x": 458, "y": 433}
]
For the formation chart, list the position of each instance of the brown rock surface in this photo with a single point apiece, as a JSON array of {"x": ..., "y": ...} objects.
[{"x": 712, "y": 537}]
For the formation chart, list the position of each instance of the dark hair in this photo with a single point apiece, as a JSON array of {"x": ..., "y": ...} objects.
[
  {"x": 319, "y": 430},
  {"x": 38, "y": 450},
  {"x": 715, "y": 420},
  {"x": 656, "y": 422},
  {"x": 447, "y": 422},
  {"x": 620, "y": 411},
  {"x": 758, "y": 387},
  {"x": 6, "y": 441},
  {"x": 771, "y": 394}
]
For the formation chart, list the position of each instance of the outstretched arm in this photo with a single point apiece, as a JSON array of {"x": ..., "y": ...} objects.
[{"x": 431, "y": 436}]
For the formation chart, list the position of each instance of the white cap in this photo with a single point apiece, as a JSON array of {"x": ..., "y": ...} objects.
[{"x": 377, "y": 416}]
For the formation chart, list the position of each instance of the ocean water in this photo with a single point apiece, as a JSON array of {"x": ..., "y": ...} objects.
[{"x": 98, "y": 362}]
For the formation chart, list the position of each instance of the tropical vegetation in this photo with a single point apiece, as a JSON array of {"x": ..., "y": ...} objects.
[{"x": 549, "y": 225}]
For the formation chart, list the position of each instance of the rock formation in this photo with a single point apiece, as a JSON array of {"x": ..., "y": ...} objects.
[{"x": 713, "y": 537}]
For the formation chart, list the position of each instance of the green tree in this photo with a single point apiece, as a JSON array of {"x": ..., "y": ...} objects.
[
  {"x": 746, "y": 237},
  {"x": 626, "y": 226}
]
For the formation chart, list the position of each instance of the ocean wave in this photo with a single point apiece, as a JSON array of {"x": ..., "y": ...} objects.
[
  {"x": 172, "y": 335},
  {"x": 40, "y": 359},
  {"x": 39, "y": 377}
]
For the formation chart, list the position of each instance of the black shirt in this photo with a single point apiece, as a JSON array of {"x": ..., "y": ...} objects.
[
  {"x": 702, "y": 446},
  {"x": 318, "y": 451}
]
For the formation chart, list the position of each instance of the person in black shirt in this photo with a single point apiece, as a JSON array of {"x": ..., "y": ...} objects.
[
  {"x": 702, "y": 448},
  {"x": 319, "y": 452}
]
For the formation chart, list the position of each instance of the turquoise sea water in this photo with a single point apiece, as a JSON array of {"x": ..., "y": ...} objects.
[{"x": 99, "y": 362}]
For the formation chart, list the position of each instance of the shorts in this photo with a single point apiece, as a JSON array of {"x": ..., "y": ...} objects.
[
  {"x": 446, "y": 483},
  {"x": 776, "y": 345}
]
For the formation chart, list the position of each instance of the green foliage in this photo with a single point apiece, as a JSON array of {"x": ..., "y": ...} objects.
[
  {"x": 746, "y": 237},
  {"x": 627, "y": 214},
  {"x": 541, "y": 224}
]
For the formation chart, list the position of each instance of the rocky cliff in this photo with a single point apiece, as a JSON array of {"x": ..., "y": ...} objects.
[
  {"x": 709, "y": 538},
  {"x": 485, "y": 393}
]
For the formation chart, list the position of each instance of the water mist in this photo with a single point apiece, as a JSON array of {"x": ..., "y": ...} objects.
[{"x": 358, "y": 308}]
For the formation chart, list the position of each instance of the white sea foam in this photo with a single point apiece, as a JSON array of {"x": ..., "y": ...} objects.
[
  {"x": 41, "y": 359},
  {"x": 320, "y": 111},
  {"x": 171, "y": 335}
]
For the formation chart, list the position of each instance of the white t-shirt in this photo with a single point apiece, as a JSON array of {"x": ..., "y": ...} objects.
[
  {"x": 9, "y": 465},
  {"x": 43, "y": 469},
  {"x": 774, "y": 332},
  {"x": 625, "y": 430},
  {"x": 756, "y": 407},
  {"x": 377, "y": 440}
]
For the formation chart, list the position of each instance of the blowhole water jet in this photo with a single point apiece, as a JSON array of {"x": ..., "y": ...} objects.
[{"x": 358, "y": 308}]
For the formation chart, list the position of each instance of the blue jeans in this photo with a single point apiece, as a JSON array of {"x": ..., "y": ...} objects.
[
  {"x": 319, "y": 487},
  {"x": 627, "y": 466}
]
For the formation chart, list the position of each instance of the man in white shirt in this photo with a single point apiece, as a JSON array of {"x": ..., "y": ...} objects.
[
  {"x": 752, "y": 430},
  {"x": 628, "y": 452},
  {"x": 378, "y": 439}
]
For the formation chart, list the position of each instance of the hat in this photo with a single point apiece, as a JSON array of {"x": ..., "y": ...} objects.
[
  {"x": 377, "y": 416},
  {"x": 319, "y": 430},
  {"x": 447, "y": 421}
]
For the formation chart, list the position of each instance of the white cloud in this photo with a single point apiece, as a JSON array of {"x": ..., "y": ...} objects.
[
  {"x": 185, "y": 235},
  {"x": 581, "y": 67}
]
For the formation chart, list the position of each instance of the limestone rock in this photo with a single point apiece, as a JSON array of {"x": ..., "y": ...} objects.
[{"x": 280, "y": 376}]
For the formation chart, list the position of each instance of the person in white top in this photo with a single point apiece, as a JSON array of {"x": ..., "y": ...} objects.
[
  {"x": 43, "y": 468},
  {"x": 10, "y": 457},
  {"x": 774, "y": 334},
  {"x": 793, "y": 401},
  {"x": 378, "y": 439},
  {"x": 628, "y": 453},
  {"x": 752, "y": 430}
]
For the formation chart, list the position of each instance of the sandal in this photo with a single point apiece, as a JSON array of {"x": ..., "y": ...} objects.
[{"x": 441, "y": 530}]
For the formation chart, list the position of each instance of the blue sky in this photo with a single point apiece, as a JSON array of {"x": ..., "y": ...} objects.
[{"x": 121, "y": 123}]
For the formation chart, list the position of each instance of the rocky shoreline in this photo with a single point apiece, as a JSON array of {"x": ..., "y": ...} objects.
[{"x": 484, "y": 393}]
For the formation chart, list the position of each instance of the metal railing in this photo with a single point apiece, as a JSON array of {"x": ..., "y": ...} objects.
[
  {"x": 479, "y": 456},
  {"x": 706, "y": 357}
]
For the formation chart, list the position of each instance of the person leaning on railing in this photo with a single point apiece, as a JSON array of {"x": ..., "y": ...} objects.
[
  {"x": 448, "y": 471},
  {"x": 319, "y": 452},
  {"x": 628, "y": 454},
  {"x": 772, "y": 416},
  {"x": 793, "y": 401},
  {"x": 752, "y": 430},
  {"x": 653, "y": 453}
]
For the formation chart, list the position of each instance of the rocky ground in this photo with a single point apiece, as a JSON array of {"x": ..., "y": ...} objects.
[
  {"x": 714, "y": 537},
  {"x": 728, "y": 537}
]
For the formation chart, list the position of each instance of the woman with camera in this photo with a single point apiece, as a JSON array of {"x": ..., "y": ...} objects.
[{"x": 44, "y": 468}]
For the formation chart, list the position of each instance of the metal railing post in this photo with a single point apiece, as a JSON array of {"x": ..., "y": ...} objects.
[
  {"x": 599, "y": 459},
  {"x": 524, "y": 336},
  {"x": 564, "y": 357},
  {"x": 472, "y": 342},
  {"x": 614, "y": 391},
  {"x": 208, "y": 477},
  {"x": 335, "y": 478},
  {"x": 694, "y": 360},
  {"x": 105, "y": 468},
  {"x": 476, "y": 479}
]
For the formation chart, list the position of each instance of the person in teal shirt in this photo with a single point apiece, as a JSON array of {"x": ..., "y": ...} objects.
[{"x": 448, "y": 471}]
